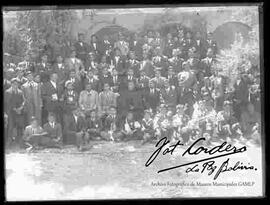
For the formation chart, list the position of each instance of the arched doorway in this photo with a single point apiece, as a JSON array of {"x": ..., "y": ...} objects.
[
  {"x": 112, "y": 31},
  {"x": 225, "y": 33}
]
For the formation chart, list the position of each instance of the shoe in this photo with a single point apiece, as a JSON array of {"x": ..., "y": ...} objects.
[{"x": 29, "y": 149}]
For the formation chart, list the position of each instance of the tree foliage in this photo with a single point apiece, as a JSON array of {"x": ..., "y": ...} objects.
[
  {"x": 240, "y": 58},
  {"x": 42, "y": 31}
]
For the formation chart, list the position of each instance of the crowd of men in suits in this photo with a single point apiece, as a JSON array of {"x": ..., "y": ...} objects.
[{"x": 145, "y": 88}]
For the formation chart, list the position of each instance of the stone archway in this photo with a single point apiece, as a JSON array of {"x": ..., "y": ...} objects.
[
  {"x": 225, "y": 33},
  {"x": 111, "y": 30}
]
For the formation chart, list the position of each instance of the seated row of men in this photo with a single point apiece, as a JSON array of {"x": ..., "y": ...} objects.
[{"x": 205, "y": 122}]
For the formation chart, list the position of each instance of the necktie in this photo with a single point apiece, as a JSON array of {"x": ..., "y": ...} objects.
[{"x": 31, "y": 85}]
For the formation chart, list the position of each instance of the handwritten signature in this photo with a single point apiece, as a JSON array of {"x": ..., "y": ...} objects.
[{"x": 209, "y": 163}]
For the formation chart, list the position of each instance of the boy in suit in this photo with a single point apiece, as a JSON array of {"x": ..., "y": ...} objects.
[
  {"x": 112, "y": 126},
  {"x": 131, "y": 128},
  {"x": 94, "y": 126},
  {"x": 33, "y": 135},
  {"x": 147, "y": 127},
  {"x": 54, "y": 131},
  {"x": 75, "y": 129}
]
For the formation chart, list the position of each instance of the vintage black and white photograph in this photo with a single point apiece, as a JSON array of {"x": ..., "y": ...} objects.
[{"x": 133, "y": 102}]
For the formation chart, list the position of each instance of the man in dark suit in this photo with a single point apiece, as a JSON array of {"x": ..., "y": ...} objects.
[
  {"x": 200, "y": 45},
  {"x": 75, "y": 129},
  {"x": 208, "y": 62},
  {"x": 111, "y": 129},
  {"x": 136, "y": 46},
  {"x": 132, "y": 100},
  {"x": 142, "y": 81},
  {"x": 115, "y": 81},
  {"x": 81, "y": 48},
  {"x": 94, "y": 126},
  {"x": 77, "y": 83},
  {"x": 129, "y": 78},
  {"x": 43, "y": 69},
  {"x": 160, "y": 61},
  {"x": 169, "y": 95},
  {"x": 61, "y": 70},
  {"x": 176, "y": 61},
  {"x": 93, "y": 80},
  {"x": 172, "y": 77},
  {"x": 104, "y": 78},
  {"x": 119, "y": 63},
  {"x": 106, "y": 48},
  {"x": 211, "y": 43},
  {"x": 189, "y": 41},
  {"x": 151, "y": 97},
  {"x": 54, "y": 132},
  {"x": 51, "y": 93},
  {"x": 133, "y": 64},
  {"x": 95, "y": 47},
  {"x": 69, "y": 99},
  {"x": 14, "y": 104},
  {"x": 122, "y": 45},
  {"x": 91, "y": 63},
  {"x": 193, "y": 60},
  {"x": 168, "y": 46},
  {"x": 241, "y": 93}
]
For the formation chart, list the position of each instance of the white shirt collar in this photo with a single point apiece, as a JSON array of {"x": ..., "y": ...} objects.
[{"x": 53, "y": 83}]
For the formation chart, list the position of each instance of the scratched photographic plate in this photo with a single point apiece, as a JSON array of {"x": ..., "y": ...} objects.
[{"x": 130, "y": 170}]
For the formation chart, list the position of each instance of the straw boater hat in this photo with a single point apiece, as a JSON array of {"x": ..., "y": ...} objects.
[
  {"x": 14, "y": 80},
  {"x": 68, "y": 82},
  {"x": 227, "y": 103},
  {"x": 183, "y": 77}
]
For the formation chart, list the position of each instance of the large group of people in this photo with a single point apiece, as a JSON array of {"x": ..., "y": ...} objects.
[{"x": 143, "y": 89}]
